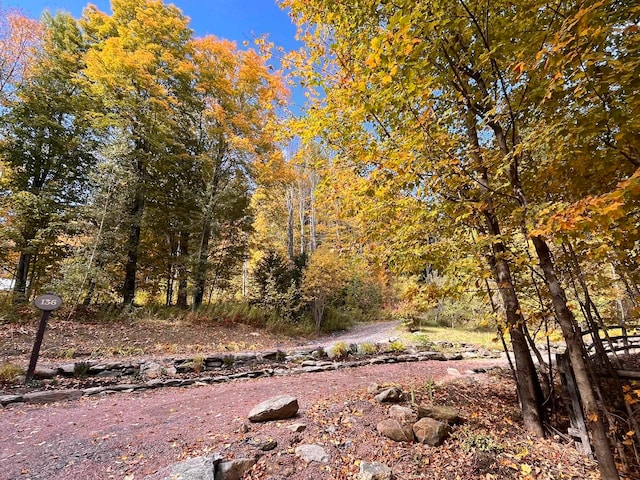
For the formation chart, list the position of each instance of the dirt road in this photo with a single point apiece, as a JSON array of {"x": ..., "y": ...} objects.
[{"x": 128, "y": 436}]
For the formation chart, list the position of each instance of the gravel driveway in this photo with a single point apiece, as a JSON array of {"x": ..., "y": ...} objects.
[{"x": 128, "y": 436}]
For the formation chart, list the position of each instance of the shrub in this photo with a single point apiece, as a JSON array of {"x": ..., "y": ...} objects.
[
  {"x": 9, "y": 371},
  {"x": 277, "y": 285},
  {"x": 338, "y": 350},
  {"x": 335, "y": 320},
  {"x": 198, "y": 363},
  {"x": 422, "y": 340},
  {"x": 81, "y": 369},
  {"x": 471, "y": 441},
  {"x": 367, "y": 348},
  {"x": 396, "y": 346}
]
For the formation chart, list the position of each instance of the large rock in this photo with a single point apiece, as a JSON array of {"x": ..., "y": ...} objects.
[
  {"x": 233, "y": 469},
  {"x": 395, "y": 430},
  {"x": 374, "y": 471},
  {"x": 403, "y": 414},
  {"x": 442, "y": 413},
  {"x": 312, "y": 453},
  {"x": 430, "y": 431},
  {"x": 392, "y": 394},
  {"x": 277, "y": 408}
]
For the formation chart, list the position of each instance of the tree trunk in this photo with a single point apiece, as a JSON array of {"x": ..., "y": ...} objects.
[
  {"x": 173, "y": 252},
  {"x": 577, "y": 355},
  {"x": 133, "y": 245},
  {"x": 202, "y": 260},
  {"x": 528, "y": 385},
  {"x": 290, "y": 208},
  {"x": 302, "y": 215},
  {"x": 22, "y": 276},
  {"x": 90, "y": 291},
  {"x": 183, "y": 255},
  {"x": 200, "y": 276},
  {"x": 313, "y": 221}
]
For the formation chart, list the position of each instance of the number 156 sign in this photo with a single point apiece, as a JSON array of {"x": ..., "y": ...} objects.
[{"x": 48, "y": 302}]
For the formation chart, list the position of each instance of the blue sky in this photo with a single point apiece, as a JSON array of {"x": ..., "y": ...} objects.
[
  {"x": 237, "y": 20},
  {"x": 232, "y": 19}
]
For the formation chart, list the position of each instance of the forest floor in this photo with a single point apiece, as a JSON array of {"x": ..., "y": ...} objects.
[{"x": 132, "y": 436}]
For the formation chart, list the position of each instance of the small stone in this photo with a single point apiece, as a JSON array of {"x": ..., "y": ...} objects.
[
  {"x": 244, "y": 428},
  {"x": 7, "y": 399},
  {"x": 268, "y": 445},
  {"x": 67, "y": 370},
  {"x": 297, "y": 427},
  {"x": 453, "y": 372},
  {"x": 394, "y": 430},
  {"x": 312, "y": 453},
  {"x": 93, "y": 390},
  {"x": 373, "y": 388},
  {"x": 392, "y": 394},
  {"x": 374, "y": 471},
  {"x": 431, "y": 432}
]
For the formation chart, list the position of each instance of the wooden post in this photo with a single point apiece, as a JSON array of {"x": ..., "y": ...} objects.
[{"x": 578, "y": 428}]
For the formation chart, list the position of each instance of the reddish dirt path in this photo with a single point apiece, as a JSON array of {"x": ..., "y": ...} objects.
[{"x": 133, "y": 435}]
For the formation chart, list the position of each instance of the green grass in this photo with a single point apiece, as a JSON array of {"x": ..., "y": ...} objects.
[{"x": 435, "y": 333}]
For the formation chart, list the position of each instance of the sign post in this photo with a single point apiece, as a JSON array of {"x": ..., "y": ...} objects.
[{"x": 46, "y": 303}]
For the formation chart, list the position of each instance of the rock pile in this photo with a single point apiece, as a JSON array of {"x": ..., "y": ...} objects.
[{"x": 427, "y": 424}]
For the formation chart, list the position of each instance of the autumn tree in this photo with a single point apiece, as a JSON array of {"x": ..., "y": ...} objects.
[
  {"x": 48, "y": 145},
  {"x": 443, "y": 102},
  {"x": 20, "y": 38},
  {"x": 233, "y": 130},
  {"x": 324, "y": 278},
  {"x": 137, "y": 64}
]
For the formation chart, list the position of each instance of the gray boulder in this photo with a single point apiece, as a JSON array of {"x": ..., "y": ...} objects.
[
  {"x": 44, "y": 373},
  {"x": 277, "y": 408},
  {"x": 198, "y": 468},
  {"x": 50, "y": 396}
]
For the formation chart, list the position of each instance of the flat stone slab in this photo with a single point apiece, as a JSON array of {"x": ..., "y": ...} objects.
[
  {"x": 50, "y": 396},
  {"x": 7, "y": 399}
]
